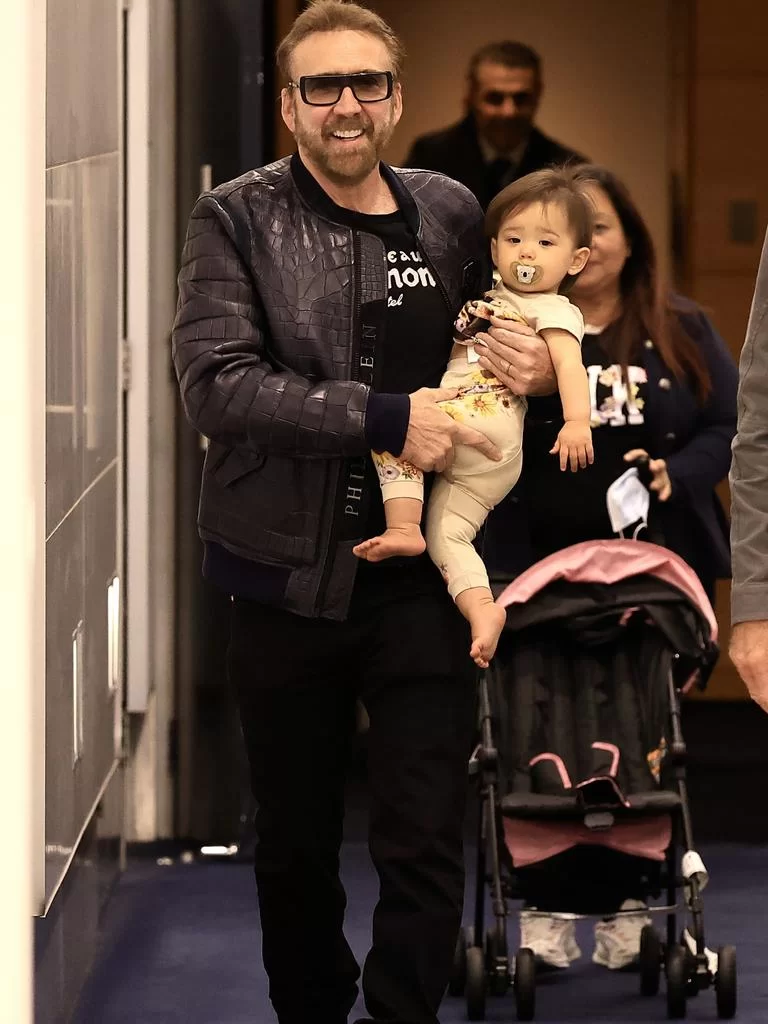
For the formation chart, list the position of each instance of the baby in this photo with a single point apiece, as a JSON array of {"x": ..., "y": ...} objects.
[{"x": 540, "y": 228}]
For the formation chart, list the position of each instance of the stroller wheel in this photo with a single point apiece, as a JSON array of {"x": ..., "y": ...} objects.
[
  {"x": 650, "y": 961},
  {"x": 677, "y": 982},
  {"x": 496, "y": 962},
  {"x": 458, "y": 977},
  {"x": 475, "y": 986},
  {"x": 725, "y": 982},
  {"x": 525, "y": 984}
]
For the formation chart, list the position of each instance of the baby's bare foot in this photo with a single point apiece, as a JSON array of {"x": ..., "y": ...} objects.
[
  {"x": 396, "y": 541},
  {"x": 486, "y": 624}
]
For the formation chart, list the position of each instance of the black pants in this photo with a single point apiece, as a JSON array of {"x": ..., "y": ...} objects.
[{"x": 297, "y": 680}]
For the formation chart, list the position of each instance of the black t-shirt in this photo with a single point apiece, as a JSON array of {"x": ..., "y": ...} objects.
[
  {"x": 567, "y": 508},
  {"x": 412, "y": 354},
  {"x": 418, "y": 328}
]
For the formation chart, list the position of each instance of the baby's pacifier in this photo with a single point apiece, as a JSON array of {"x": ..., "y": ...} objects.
[{"x": 526, "y": 273}]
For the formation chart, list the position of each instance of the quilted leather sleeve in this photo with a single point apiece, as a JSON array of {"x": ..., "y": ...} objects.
[{"x": 229, "y": 390}]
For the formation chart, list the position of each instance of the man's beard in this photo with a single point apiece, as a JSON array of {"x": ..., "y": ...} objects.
[{"x": 342, "y": 165}]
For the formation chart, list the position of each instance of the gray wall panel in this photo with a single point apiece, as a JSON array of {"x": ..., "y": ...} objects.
[
  {"x": 82, "y": 107},
  {"x": 82, "y": 343},
  {"x": 81, "y": 560},
  {"x": 100, "y": 328},
  {"x": 64, "y": 471},
  {"x": 66, "y": 940},
  {"x": 100, "y": 527},
  {"x": 64, "y": 611},
  {"x": 83, "y": 399},
  {"x": 83, "y": 266}
]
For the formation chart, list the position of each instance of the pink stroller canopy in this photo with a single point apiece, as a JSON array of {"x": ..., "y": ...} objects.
[{"x": 610, "y": 561}]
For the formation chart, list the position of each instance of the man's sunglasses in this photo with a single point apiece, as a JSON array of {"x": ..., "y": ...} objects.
[
  {"x": 326, "y": 90},
  {"x": 495, "y": 98}
]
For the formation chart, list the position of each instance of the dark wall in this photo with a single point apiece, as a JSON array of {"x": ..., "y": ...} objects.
[
  {"x": 226, "y": 85},
  {"x": 225, "y": 119}
]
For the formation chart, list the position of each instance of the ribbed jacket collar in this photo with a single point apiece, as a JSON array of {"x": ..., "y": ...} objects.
[{"x": 321, "y": 202}]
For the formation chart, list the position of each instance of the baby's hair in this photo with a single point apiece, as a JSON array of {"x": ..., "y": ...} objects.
[{"x": 559, "y": 186}]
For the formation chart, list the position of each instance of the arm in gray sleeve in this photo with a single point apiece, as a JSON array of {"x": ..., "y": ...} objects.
[{"x": 749, "y": 469}]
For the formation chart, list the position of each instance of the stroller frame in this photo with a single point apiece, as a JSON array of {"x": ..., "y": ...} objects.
[{"x": 482, "y": 963}]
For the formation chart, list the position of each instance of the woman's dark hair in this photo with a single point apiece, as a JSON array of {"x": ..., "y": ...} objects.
[{"x": 648, "y": 308}]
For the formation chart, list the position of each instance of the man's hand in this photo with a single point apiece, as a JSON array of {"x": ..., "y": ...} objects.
[
  {"x": 518, "y": 357},
  {"x": 432, "y": 433},
  {"x": 749, "y": 653}
]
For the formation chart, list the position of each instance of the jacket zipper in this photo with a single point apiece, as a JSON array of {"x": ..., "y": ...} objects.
[
  {"x": 433, "y": 268},
  {"x": 329, "y": 553},
  {"x": 438, "y": 278}
]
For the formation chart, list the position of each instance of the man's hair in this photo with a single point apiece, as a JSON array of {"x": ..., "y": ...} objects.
[
  {"x": 508, "y": 53},
  {"x": 557, "y": 186},
  {"x": 338, "y": 16}
]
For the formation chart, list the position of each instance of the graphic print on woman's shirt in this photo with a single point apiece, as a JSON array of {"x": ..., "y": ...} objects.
[
  {"x": 565, "y": 508},
  {"x": 614, "y": 401}
]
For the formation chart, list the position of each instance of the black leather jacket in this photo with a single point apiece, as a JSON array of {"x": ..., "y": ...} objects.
[{"x": 274, "y": 345}]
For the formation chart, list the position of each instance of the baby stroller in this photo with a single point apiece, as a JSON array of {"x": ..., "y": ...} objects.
[{"x": 582, "y": 759}]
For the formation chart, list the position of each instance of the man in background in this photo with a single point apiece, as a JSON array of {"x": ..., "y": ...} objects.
[
  {"x": 497, "y": 141},
  {"x": 749, "y": 502}
]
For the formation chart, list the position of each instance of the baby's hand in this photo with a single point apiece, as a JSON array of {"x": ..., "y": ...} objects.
[{"x": 574, "y": 445}]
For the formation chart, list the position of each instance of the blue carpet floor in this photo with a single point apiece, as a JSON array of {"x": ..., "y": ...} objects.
[{"x": 181, "y": 945}]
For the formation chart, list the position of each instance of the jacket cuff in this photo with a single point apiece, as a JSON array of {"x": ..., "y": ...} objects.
[
  {"x": 749, "y": 602},
  {"x": 680, "y": 490},
  {"x": 386, "y": 422}
]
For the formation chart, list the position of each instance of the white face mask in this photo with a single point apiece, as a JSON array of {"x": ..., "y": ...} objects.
[{"x": 628, "y": 503}]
